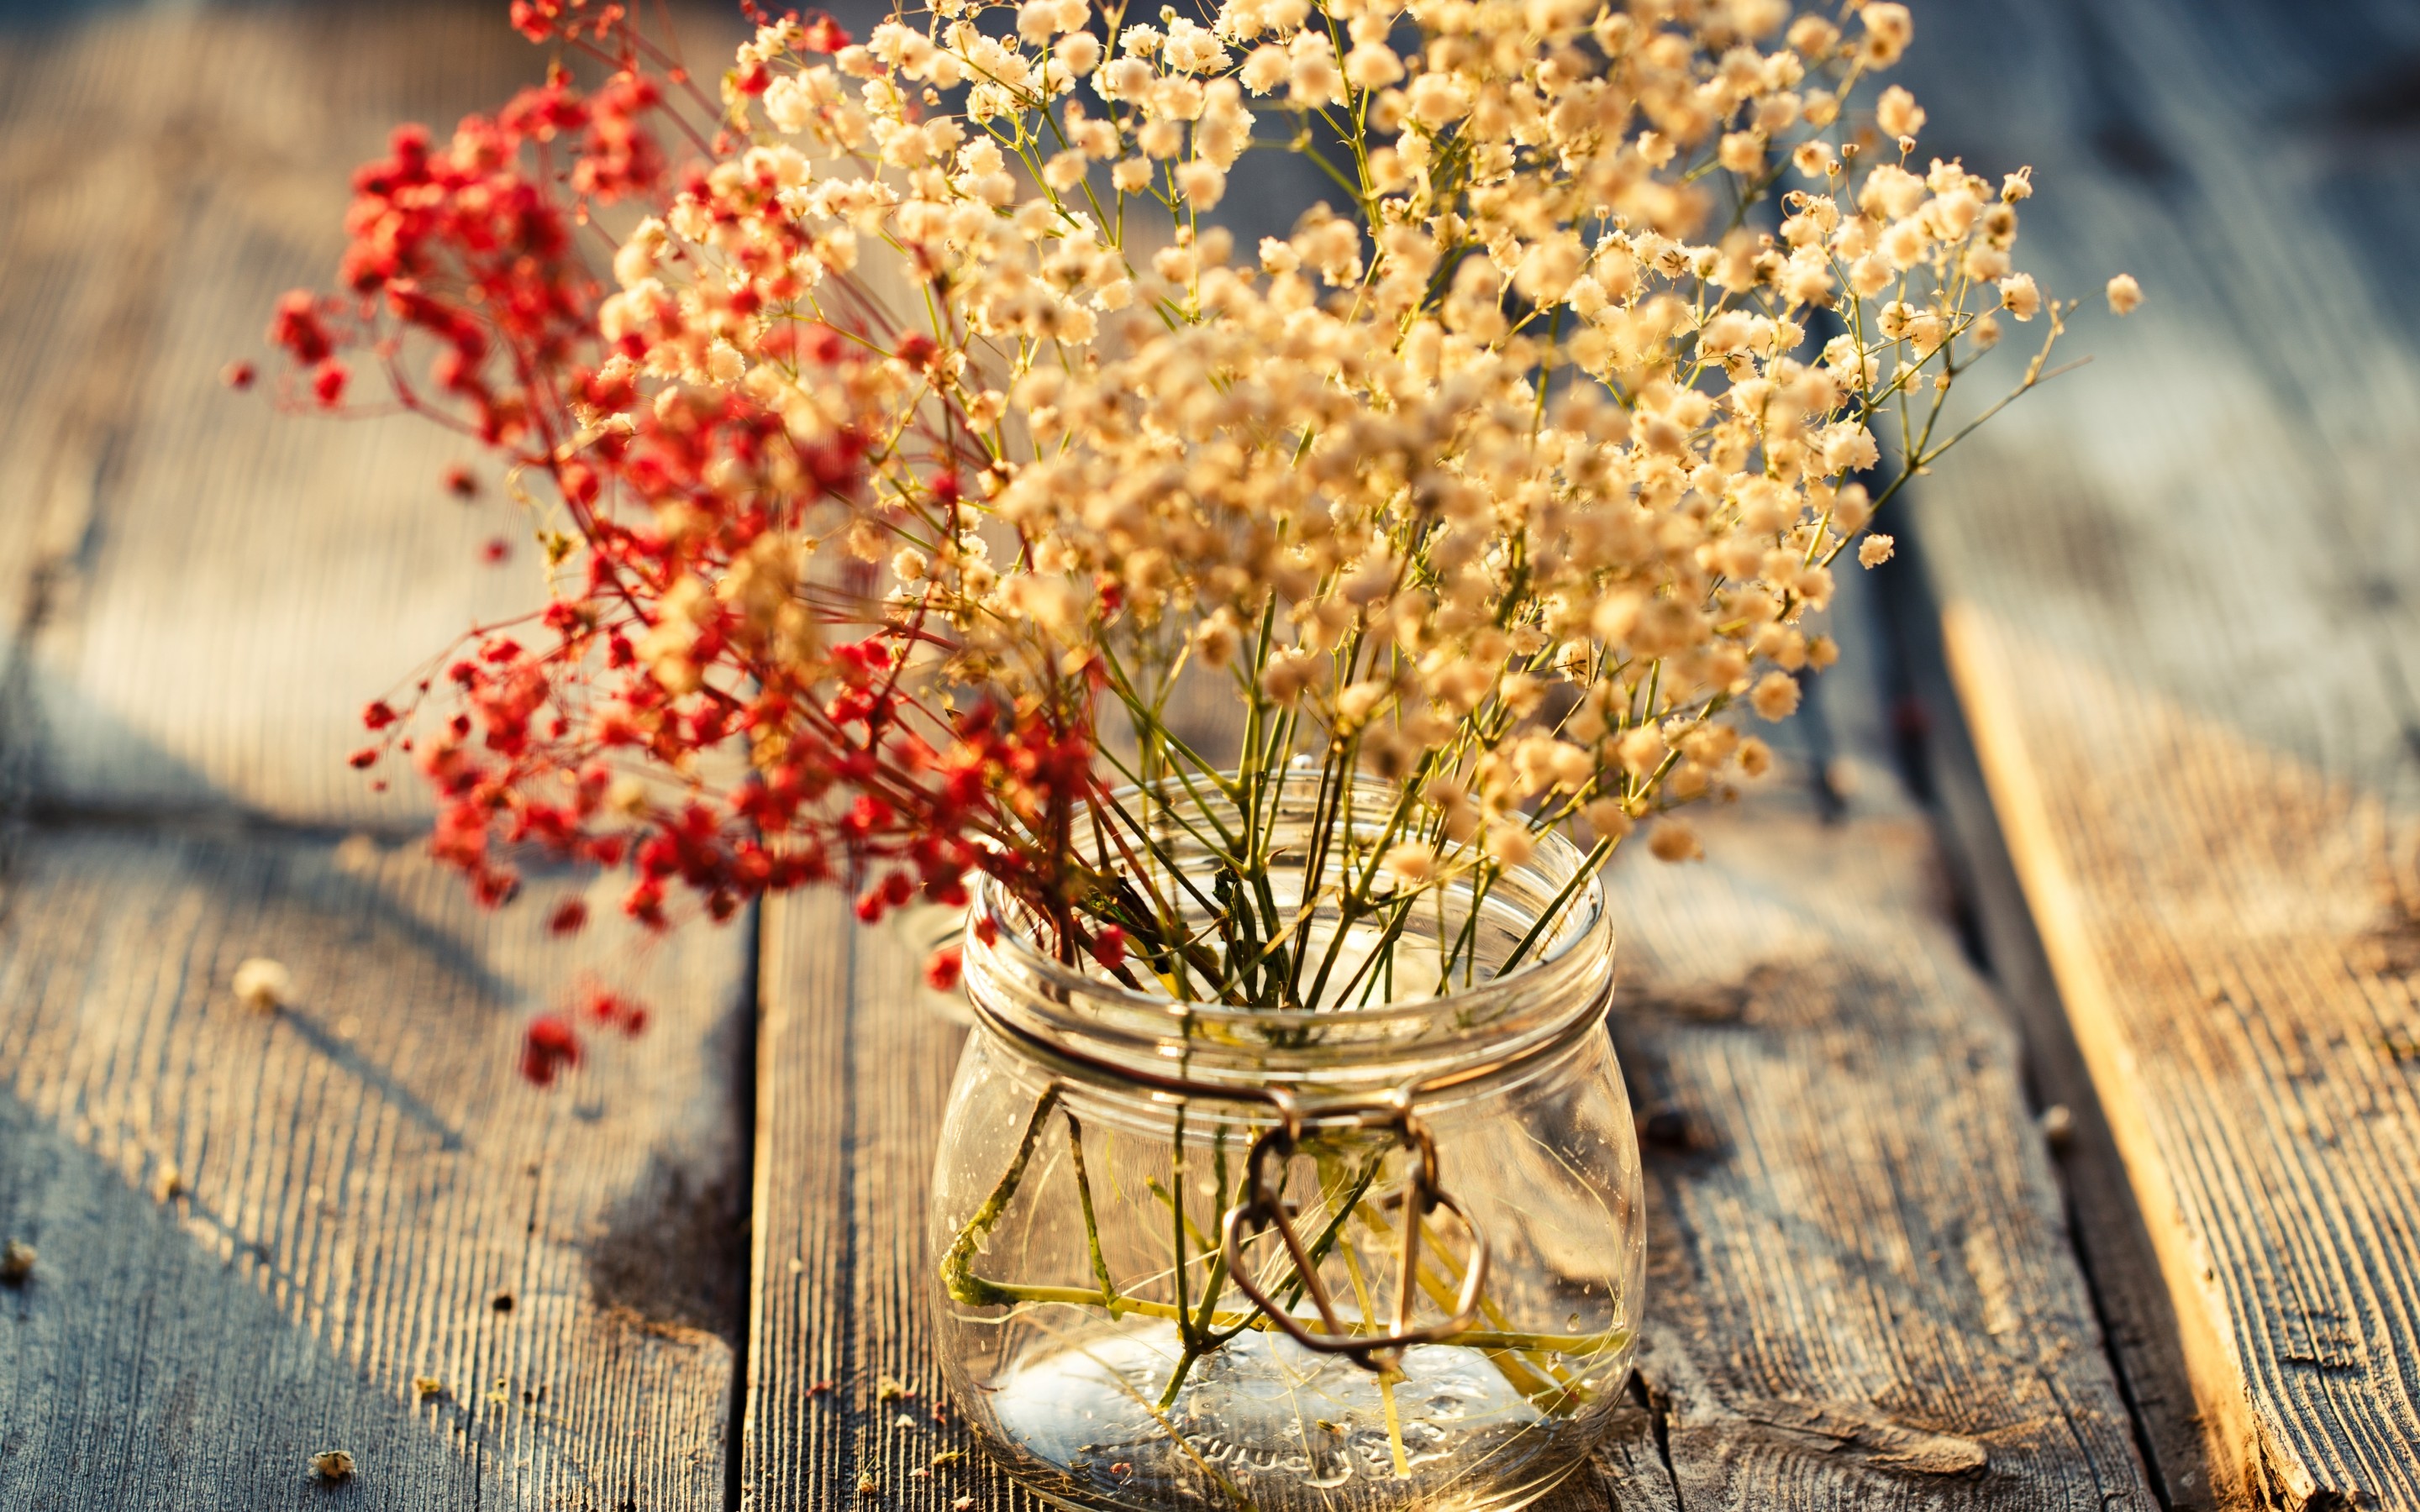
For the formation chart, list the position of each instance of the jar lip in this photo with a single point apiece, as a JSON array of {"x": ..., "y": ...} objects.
[{"x": 1556, "y": 859}]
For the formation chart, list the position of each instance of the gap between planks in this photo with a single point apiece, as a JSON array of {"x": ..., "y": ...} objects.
[
  {"x": 1860, "y": 1291},
  {"x": 187, "y": 581},
  {"x": 2174, "y": 594}
]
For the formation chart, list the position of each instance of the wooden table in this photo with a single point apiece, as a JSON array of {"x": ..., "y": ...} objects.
[{"x": 2113, "y": 809}]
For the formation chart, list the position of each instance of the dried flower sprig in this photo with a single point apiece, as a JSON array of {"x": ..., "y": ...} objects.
[{"x": 1511, "y": 484}]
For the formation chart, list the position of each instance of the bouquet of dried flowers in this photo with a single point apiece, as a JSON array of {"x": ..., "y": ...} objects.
[
  {"x": 907, "y": 443},
  {"x": 901, "y": 432}
]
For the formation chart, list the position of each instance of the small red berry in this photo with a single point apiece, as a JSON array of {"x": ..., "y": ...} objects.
[
  {"x": 548, "y": 1047},
  {"x": 941, "y": 968}
]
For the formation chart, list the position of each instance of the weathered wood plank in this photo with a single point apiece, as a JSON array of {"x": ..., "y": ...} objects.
[
  {"x": 2175, "y": 600},
  {"x": 255, "y": 1230},
  {"x": 1805, "y": 1021},
  {"x": 215, "y": 588},
  {"x": 855, "y": 1062},
  {"x": 2137, "y": 1311},
  {"x": 196, "y": 594},
  {"x": 1860, "y": 1291}
]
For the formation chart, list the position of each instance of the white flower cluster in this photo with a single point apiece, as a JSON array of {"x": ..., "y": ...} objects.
[{"x": 1505, "y": 480}]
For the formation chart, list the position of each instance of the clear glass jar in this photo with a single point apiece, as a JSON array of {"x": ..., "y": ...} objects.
[{"x": 1098, "y": 1172}]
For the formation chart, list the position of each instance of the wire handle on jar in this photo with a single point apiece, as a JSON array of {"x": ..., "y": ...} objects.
[{"x": 1263, "y": 1207}]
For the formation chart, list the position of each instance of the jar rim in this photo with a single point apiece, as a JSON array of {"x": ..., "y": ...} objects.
[
  {"x": 1013, "y": 974},
  {"x": 991, "y": 900}
]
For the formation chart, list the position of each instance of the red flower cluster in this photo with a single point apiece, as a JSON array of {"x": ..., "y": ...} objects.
[
  {"x": 548, "y": 1047},
  {"x": 543, "y": 21},
  {"x": 701, "y": 703}
]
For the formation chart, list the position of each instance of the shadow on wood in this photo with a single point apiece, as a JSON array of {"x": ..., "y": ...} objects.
[
  {"x": 367, "y": 1170},
  {"x": 2175, "y": 598}
]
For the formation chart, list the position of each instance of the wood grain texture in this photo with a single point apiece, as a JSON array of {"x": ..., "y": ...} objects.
[
  {"x": 2137, "y": 1312},
  {"x": 2177, "y": 599},
  {"x": 365, "y": 1192},
  {"x": 843, "y": 1392},
  {"x": 1860, "y": 1291},
  {"x": 210, "y": 590},
  {"x": 196, "y": 596}
]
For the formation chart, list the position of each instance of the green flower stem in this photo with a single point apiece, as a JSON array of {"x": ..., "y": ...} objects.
[
  {"x": 1586, "y": 869},
  {"x": 1012, "y": 1293},
  {"x": 1199, "y": 1340},
  {"x": 957, "y": 1266},
  {"x": 1341, "y": 1214},
  {"x": 1165, "y": 1195},
  {"x": 1467, "y": 939},
  {"x": 1387, "y": 1376},
  {"x": 1378, "y": 966},
  {"x": 1538, "y": 1378},
  {"x": 1178, "y": 1223},
  {"x": 1205, "y": 1327},
  {"x": 1084, "y": 1196}
]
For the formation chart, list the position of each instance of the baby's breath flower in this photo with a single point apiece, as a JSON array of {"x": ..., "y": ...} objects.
[
  {"x": 263, "y": 985},
  {"x": 1776, "y": 695},
  {"x": 1410, "y": 864},
  {"x": 1888, "y": 29},
  {"x": 1896, "y": 112},
  {"x": 2019, "y": 297},
  {"x": 1608, "y": 820},
  {"x": 1672, "y": 840},
  {"x": 1098, "y": 450}
]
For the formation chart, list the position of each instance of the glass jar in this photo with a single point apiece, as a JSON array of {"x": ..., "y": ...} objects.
[{"x": 1172, "y": 1236}]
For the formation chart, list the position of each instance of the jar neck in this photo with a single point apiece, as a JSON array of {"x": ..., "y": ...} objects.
[{"x": 1476, "y": 1026}]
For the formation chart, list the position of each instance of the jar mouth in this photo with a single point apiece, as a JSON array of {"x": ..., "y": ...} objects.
[{"x": 1564, "y": 976}]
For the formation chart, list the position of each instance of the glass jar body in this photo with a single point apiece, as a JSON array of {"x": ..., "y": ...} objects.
[{"x": 1093, "y": 1333}]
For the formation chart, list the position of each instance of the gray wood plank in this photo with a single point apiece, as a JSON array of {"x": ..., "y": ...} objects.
[
  {"x": 1860, "y": 1288},
  {"x": 854, "y": 1065},
  {"x": 2137, "y": 1311},
  {"x": 1860, "y": 1291},
  {"x": 365, "y": 1191},
  {"x": 2175, "y": 600},
  {"x": 209, "y": 591},
  {"x": 196, "y": 596}
]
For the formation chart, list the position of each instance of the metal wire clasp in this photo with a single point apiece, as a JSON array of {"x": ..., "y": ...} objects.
[{"x": 1264, "y": 1207}]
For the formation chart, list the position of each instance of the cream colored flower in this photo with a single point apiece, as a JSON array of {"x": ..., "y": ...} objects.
[
  {"x": 1888, "y": 29},
  {"x": 262, "y": 986},
  {"x": 2019, "y": 297},
  {"x": 1776, "y": 695},
  {"x": 1410, "y": 864},
  {"x": 1318, "y": 469},
  {"x": 1896, "y": 112},
  {"x": 1672, "y": 840}
]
